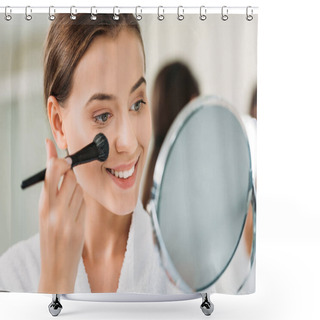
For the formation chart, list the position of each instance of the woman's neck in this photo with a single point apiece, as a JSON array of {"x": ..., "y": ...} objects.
[{"x": 106, "y": 233}]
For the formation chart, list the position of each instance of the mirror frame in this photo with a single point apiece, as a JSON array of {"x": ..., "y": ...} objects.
[{"x": 171, "y": 136}]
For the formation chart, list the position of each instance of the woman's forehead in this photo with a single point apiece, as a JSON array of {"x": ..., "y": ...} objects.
[
  {"x": 110, "y": 64},
  {"x": 125, "y": 46}
]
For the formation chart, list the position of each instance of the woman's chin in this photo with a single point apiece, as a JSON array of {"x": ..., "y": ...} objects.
[
  {"x": 124, "y": 213},
  {"x": 121, "y": 208}
]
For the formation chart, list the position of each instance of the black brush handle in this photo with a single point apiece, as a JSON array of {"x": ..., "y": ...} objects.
[
  {"x": 83, "y": 156},
  {"x": 78, "y": 158},
  {"x": 34, "y": 179},
  {"x": 96, "y": 150}
]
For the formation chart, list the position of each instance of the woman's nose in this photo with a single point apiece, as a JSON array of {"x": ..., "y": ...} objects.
[{"x": 126, "y": 140}]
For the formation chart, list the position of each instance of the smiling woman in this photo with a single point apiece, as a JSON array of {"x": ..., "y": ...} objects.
[{"x": 94, "y": 234}]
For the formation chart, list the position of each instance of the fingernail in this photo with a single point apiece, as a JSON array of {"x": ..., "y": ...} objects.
[{"x": 69, "y": 160}]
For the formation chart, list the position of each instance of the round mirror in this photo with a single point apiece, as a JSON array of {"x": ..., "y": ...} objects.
[{"x": 202, "y": 193}]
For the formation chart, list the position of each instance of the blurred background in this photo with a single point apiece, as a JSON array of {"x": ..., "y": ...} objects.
[{"x": 221, "y": 55}]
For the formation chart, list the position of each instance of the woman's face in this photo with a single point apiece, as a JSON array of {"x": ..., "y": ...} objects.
[{"x": 109, "y": 96}]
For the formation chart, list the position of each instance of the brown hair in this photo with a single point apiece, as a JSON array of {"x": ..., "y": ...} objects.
[
  {"x": 174, "y": 87},
  {"x": 68, "y": 40},
  {"x": 253, "y": 104}
]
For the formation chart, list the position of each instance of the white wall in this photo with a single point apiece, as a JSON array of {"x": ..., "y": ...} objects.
[{"x": 222, "y": 55}]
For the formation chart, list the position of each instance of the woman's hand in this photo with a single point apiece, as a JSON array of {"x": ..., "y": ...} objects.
[{"x": 62, "y": 217}]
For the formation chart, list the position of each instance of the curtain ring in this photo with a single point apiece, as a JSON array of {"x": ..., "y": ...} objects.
[
  {"x": 180, "y": 15},
  {"x": 28, "y": 12},
  {"x": 93, "y": 16},
  {"x": 249, "y": 17},
  {"x": 224, "y": 13},
  {"x": 73, "y": 14},
  {"x": 7, "y": 16},
  {"x": 160, "y": 16},
  {"x": 138, "y": 16},
  {"x": 203, "y": 15},
  {"x": 116, "y": 15},
  {"x": 51, "y": 15}
]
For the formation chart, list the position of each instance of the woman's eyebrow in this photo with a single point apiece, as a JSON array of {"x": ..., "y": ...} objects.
[
  {"x": 138, "y": 84},
  {"x": 104, "y": 96},
  {"x": 100, "y": 96}
]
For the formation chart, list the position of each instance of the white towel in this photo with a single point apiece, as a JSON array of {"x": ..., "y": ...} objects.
[
  {"x": 20, "y": 266},
  {"x": 141, "y": 270}
]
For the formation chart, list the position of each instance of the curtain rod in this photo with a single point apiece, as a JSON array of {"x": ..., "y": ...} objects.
[{"x": 249, "y": 10}]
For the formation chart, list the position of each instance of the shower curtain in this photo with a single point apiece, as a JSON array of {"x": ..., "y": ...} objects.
[{"x": 67, "y": 78}]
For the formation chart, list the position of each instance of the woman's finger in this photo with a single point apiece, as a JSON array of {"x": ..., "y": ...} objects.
[
  {"x": 43, "y": 203},
  {"x": 67, "y": 188},
  {"x": 51, "y": 151},
  {"x": 81, "y": 214},
  {"x": 55, "y": 170},
  {"x": 76, "y": 201}
]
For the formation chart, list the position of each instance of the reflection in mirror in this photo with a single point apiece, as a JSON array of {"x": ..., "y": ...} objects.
[
  {"x": 203, "y": 199},
  {"x": 248, "y": 230}
]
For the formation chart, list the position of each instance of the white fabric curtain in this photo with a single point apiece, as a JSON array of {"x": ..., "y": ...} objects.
[{"x": 22, "y": 125}]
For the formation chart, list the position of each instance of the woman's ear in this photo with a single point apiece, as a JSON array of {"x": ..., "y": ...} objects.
[{"x": 56, "y": 122}]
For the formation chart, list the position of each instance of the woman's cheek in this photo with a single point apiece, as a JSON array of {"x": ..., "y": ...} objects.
[
  {"x": 86, "y": 174},
  {"x": 146, "y": 129}
]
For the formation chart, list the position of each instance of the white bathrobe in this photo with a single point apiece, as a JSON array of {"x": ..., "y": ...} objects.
[{"x": 141, "y": 270}]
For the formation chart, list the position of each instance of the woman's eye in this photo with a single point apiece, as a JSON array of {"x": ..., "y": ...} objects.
[
  {"x": 102, "y": 118},
  {"x": 137, "y": 106}
]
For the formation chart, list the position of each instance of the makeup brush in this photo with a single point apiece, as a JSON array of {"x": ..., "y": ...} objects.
[{"x": 96, "y": 150}]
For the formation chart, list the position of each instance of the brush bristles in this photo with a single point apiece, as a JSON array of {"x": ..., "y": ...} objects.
[{"x": 102, "y": 145}]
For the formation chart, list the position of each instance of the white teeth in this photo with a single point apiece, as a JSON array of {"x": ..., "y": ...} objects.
[{"x": 123, "y": 174}]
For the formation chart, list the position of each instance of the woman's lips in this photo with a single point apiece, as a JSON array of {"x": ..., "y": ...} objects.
[
  {"x": 125, "y": 167},
  {"x": 125, "y": 179}
]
